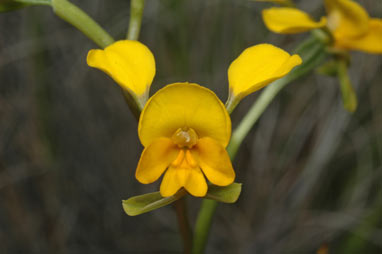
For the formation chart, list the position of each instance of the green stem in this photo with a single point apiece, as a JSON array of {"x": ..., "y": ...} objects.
[
  {"x": 35, "y": 2},
  {"x": 312, "y": 52},
  {"x": 232, "y": 102},
  {"x": 136, "y": 11},
  {"x": 203, "y": 225},
  {"x": 132, "y": 103},
  {"x": 184, "y": 225},
  {"x": 79, "y": 19}
]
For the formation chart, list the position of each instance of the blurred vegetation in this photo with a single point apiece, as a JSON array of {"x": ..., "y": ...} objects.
[{"x": 69, "y": 147}]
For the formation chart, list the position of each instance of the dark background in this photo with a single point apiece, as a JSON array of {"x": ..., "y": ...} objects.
[{"x": 69, "y": 147}]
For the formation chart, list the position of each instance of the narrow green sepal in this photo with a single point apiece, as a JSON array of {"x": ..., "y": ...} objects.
[
  {"x": 349, "y": 97},
  {"x": 148, "y": 202},
  {"x": 226, "y": 194},
  {"x": 11, "y": 5},
  {"x": 339, "y": 68}
]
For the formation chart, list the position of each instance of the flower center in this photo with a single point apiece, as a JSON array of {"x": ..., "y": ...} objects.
[
  {"x": 185, "y": 137},
  {"x": 184, "y": 160}
]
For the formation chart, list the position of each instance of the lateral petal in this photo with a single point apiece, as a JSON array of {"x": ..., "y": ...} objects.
[
  {"x": 130, "y": 63},
  {"x": 289, "y": 20},
  {"x": 170, "y": 183},
  {"x": 155, "y": 159},
  {"x": 346, "y": 18},
  {"x": 370, "y": 42},
  {"x": 214, "y": 161},
  {"x": 258, "y": 66}
]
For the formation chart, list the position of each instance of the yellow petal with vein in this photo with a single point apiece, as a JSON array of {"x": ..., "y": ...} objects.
[
  {"x": 215, "y": 162},
  {"x": 371, "y": 42},
  {"x": 346, "y": 18},
  {"x": 258, "y": 66},
  {"x": 184, "y": 105},
  {"x": 155, "y": 159},
  {"x": 289, "y": 20},
  {"x": 130, "y": 63}
]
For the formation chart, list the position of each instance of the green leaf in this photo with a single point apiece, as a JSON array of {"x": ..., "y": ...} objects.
[
  {"x": 148, "y": 202},
  {"x": 226, "y": 194},
  {"x": 10, "y": 5},
  {"x": 151, "y": 201}
]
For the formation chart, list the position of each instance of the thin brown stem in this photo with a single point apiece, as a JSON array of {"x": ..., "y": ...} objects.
[{"x": 184, "y": 225}]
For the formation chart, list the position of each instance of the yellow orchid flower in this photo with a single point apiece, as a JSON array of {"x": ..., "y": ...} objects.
[
  {"x": 184, "y": 127},
  {"x": 351, "y": 26}
]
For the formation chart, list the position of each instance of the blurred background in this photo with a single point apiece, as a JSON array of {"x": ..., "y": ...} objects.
[{"x": 69, "y": 147}]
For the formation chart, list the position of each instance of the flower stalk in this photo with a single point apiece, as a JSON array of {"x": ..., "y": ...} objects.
[
  {"x": 184, "y": 225},
  {"x": 203, "y": 225},
  {"x": 136, "y": 12},
  {"x": 132, "y": 104},
  {"x": 82, "y": 21}
]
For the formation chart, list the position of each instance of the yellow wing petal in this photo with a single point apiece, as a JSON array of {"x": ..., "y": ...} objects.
[
  {"x": 130, "y": 63},
  {"x": 184, "y": 105},
  {"x": 289, "y": 20},
  {"x": 155, "y": 159},
  {"x": 215, "y": 162},
  {"x": 370, "y": 42},
  {"x": 346, "y": 18},
  {"x": 258, "y": 66}
]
